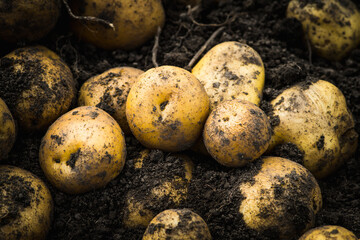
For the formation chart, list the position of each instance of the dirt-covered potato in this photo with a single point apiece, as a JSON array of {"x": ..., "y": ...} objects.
[
  {"x": 7, "y": 130},
  {"x": 134, "y": 22},
  {"x": 82, "y": 150},
  {"x": 231, "y": 70},
  {"x": 315, "y": 118},
  {"x": 328, "y": 232},
  {"x": 36, "y": 85},
  {"x": 109, "y": 92},
  {"x": 236, "y": 133},
  {"x": 27, "y": 20},
  {"x": 26, "y": 205},
  {"x": 167, "y": 108},
  {"x": 283, "y": 197},
  {"x": 177, "y": 224},
  {"x": 168, "y": 187},
  {"x": 331, "y": 26}
]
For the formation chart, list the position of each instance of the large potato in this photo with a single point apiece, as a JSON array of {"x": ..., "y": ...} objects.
[
  {"x": 36, "y": 85},
  {"x": 283, "y": 198},
  {"x": 26, "y": 205},
  {"x": 83, "y": 150},
  {"x": 328, "y": 232},
  {"x": 7, "y": 130},
  {"x": 331, "y": 26},
  {"x": 109, "y": 92},
  {"x": 27, "y": 20},
  {"x": 315, "y": 118},
  {"x": 167, "y": 108},
  {"x": 134, "y": 22}
]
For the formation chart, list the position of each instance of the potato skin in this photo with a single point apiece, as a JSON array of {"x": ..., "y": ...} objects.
[
  {"x": 30, "y": 216},
  {"x": 27, "y": 20},
  {"x": 135, "y": 22},
  {"x": 283, "y": 197},
  {"x": 167, "y": 108},
  {"x": 177, "y": 224},
  {"x": 237, "y": 132},
  {"x": 315, "y": 118},
  {"x": 109, "y": 92},
  {"x": 331, "y": 26},
  {"x": 328, "y": 232},
  {"x": 7, "y": 130},
  {"x": 83, "y": 150},
  {"x": 44, "y": 87}
]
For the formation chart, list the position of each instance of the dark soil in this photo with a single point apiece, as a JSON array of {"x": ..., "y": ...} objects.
[{"x": 258, "y": 23}]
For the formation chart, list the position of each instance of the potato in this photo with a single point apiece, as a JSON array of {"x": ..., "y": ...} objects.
[
  {"x": 134, "y": 22},
  {"x": 109, "y": 92},
  {"x": 177, "y": 224},
  {"x": 27, "y": 20},
  {"x": 283, "y": 198},
  {"x": 167, "y": 108},
  {"x": 7, "y": 130},
  {"x": 26, "y": 206},
  {"x": 331, "y": 26},
  {"x": 231, "y": 70},
  {"x": 328, "y": 232},
  {"x": 82, "y": 150},
  {"x": 315, "y": 118},
  {"x": 237, "y": 132},
  {"x": 37, "y": 86}
]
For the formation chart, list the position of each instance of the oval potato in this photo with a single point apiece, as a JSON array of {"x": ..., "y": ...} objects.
[
  {"x": 7, "y": 130},
  {"x": 328, "y": 232}
]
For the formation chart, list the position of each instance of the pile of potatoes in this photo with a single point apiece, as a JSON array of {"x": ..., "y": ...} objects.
[{"x": 214, "y": 109}]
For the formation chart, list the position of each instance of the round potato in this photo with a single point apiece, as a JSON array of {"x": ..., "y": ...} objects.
[
  {"x": 331, "y": 26},
  {"x": 177, "y": 224},
  {"x": 237, "y": 132},
  {"x": 83, "y": 150},
  {"x": 134, "y": 22},
  {"x": 109, "y": 92},
  {"x": 167, "y": 108},
  {"x": 283, "y": 198},
  {"x": 36, "y": 85},
  {"x": 7, "y": 130},
  {"x": 26, "y": 205},
  {"x": 27, "y": 20},
  {"x": 328, "y": 232}
]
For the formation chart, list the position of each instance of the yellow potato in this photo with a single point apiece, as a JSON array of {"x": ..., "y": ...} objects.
[
  {"x": 27, "y": 20},
  {"x": 134, "y": 22},
  {"x": 83, "y": 150},
  {"x": 316, "y": 119},
  {"x": 109, "y": 92},
  {"x": 7, "y": 130},
  {"x": 37, "y": 85},
  {"x": 331, "y": 26},
  {"x": 283, "y": 197},
  {"x": 328, "y": 232},
  {"x": 167, "y": 108},
  {"x": 237, "y": 132},
  {"x": 177, "y": 224},
  {"x": 26, "y": 206}
]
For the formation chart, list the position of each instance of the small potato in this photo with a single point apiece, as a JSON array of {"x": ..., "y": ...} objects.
[
  {"x": 331, "y": 26},
  {"x": 36, "y": 85},
  {"x": 237, "y": 132},
  {"x": 167, "y": 108},
  {"x": 27, "y": 20},
  {"x": 7, "y": 130},
  {"x": 177, "y": 224},
  {"x": 283, "y": 198},
  {"x": 83, "y": 150},
  {"x": 109, "y": 92},
  {"x": 134, "y": 22},
  {"x": 315, "y": 118},
  {"x": 26, "y": 206},
  {"x": 328, "y": 232}
]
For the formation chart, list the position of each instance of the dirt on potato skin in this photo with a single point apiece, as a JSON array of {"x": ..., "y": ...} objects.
[{"x": 262, "y": 25}]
